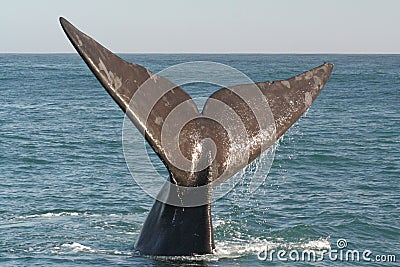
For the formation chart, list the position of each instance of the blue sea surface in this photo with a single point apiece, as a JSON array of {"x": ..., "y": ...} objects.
[{"x": 67, "y": 197}]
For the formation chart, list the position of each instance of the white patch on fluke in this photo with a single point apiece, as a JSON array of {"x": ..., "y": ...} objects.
[
  {"x": 307, "y": 99},
  {"x": 286, "y": 83},
  {"x": 309, "y": 75},
  {"x": 79, "y": 40},
  {"x": 317, "y": 81},
  {"x": 159, "y": 120},
  {"x": 114, "y": 81}
]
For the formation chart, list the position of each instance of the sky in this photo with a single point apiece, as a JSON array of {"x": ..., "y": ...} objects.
[{"x": 205, "y": 26}]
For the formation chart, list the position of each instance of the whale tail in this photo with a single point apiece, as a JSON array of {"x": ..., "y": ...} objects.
[{"x": 179, "y": 223}]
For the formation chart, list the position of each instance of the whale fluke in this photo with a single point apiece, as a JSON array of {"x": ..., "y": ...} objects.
[{"x": 206, "y": 146}]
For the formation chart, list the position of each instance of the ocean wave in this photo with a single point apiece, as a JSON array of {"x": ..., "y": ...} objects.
[
  {"x": 68, "y": 214},
  {"x": 241, "y": 248},
  {"x": 75, "y": 247},
  {"x": 224, "y": 249},
  {"x": 52, "y": 214}
]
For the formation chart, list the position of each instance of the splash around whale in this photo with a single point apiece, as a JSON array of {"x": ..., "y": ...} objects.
[{"x": 199, "y": 149}]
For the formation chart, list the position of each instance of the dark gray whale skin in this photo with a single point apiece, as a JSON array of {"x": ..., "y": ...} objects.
[
  {"x": 176, "y": 231},
  {"x": 173, "y": 230}
]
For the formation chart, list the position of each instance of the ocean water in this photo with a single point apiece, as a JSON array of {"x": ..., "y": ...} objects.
[{"x": 67, "y": 197}]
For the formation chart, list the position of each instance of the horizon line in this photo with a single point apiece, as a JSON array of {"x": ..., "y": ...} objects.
[{"x": 223, "y": 53}]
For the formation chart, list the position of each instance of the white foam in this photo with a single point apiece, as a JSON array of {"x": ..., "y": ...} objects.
[
  {"x": 239, "y": 248},
  {"x": 319, "y": 244},
  {"x": 51, "y": 214},
  {"x": 228, "y": 249},
  {"x": 218, "y": 223},
  {"x": 76, "y": 247}
]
